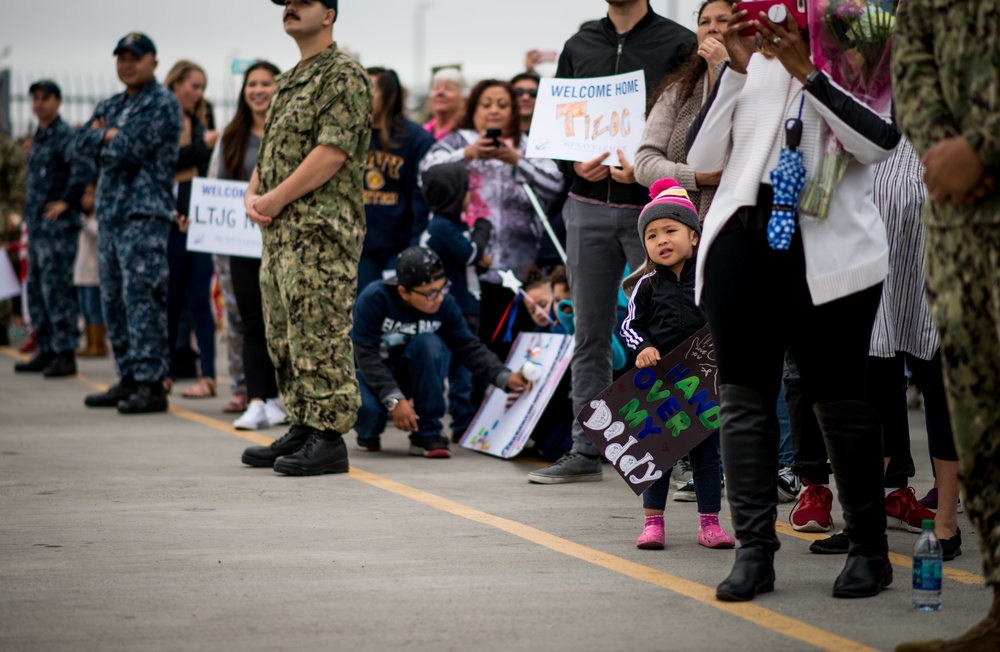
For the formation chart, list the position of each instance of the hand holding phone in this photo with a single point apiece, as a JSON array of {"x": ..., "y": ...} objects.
[
  {"x": 495, "y": 133},
  {"x": 777, "y": 12}
]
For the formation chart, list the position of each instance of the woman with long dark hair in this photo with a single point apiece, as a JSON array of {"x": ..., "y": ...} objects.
[
  {"x": 191, "y": 272},
  {"x": 236, "y": 159},
  {"x": 395, "y": 211},
  {"x": 674, "y": 106}
]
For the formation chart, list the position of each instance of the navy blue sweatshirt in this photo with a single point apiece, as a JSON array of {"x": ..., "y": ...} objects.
[
  {"x": 662, "y": 312},
  {"x": 383, "y": 322},
  {"x": 395, "y": 211}
]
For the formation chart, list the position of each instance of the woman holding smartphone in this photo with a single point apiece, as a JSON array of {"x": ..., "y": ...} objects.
[
  {"x": 818, "y": 297},
  {"x": 488, "y": 141}
]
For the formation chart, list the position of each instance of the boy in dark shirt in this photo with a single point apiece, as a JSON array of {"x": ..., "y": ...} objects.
[
  {"x": 406, "y": 329},
  {"x": 464, "y": 256}
]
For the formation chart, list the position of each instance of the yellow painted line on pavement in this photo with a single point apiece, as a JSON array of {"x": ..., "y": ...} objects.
[{"x": 964, "y": 577}]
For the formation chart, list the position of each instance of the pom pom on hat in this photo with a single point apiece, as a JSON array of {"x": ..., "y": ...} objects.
[{"x": 671, "y": 201}]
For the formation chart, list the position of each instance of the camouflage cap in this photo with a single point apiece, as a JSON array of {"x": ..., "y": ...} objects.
[{"x": 417, "y": 266}]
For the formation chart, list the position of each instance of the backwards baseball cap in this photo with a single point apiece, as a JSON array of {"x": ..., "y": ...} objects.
[
  {"x": 670, "y": 201},
  {"x": 47, "y": 86},
  {"x": 417, "y": 266},
  {"x": 137, "y": 43},
  {"x": 330, "y": 4}
]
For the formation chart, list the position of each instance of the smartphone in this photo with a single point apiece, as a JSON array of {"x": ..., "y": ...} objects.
[
  {"x": 777, "y": 11},
  {"x": 495, "y": 133}
]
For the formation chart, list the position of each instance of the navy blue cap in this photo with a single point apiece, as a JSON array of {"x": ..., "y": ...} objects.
[
  {"x": 47, "y": 86},
  {"x": 330, "y": 4},
  {"x": 137, "y": 43}
]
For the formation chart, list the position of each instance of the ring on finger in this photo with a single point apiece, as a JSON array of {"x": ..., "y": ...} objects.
[{"x": 776, "y": 40}]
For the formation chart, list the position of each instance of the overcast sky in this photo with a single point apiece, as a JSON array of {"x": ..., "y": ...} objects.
[{"x": 74, "y": 38}]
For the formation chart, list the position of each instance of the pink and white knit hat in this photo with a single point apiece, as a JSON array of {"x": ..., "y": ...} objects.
[{"x": 669, "y": 200}]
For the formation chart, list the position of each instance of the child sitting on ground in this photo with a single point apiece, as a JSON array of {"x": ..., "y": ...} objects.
[{"x": 662, "y": 314}]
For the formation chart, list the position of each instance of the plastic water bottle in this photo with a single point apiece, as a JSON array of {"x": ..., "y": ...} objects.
[{"x": 927, "y": 570}]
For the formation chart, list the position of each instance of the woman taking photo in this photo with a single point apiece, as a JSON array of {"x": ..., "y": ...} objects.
[
  {"x": 395, "y": 211},
  {"x": 816, "y": 296},
  {"x": 497, "y": 168},
  {"x": 236, "y": 159},
  {"x": 191, "y": 272},
  {"x": 675, "y": 104}
]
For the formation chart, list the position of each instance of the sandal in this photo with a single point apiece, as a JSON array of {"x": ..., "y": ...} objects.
[
  {"x": 236, "y": 406},
  {"x": 204, "y": 388},
  {"x": 168, "y": 385}
]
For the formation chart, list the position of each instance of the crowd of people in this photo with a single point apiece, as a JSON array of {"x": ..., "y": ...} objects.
[{"x": 380, "y": 291}]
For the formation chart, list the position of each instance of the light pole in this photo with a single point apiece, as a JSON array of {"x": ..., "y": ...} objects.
[{"x": 419, "y": 44}]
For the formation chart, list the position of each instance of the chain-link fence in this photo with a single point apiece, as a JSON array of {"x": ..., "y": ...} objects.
[{"x": 80, "y": 94}]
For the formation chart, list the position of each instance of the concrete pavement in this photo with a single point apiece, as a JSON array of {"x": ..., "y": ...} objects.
[{"x": 146, "y": 533}]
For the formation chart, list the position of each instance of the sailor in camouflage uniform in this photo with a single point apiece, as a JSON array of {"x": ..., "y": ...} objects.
[
  {"x": 12, "y": 186},
  {"x": 946, "y": 68},
  {"x": 56, "y": 182},
  {"x": 307, "y": 196},
  {"x": 134, "y": 137}
]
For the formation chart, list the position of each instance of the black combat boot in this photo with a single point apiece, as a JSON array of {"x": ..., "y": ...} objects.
[
  {"x": 110, "y": 398},
  {"x": 750, "y": 457},
  {"x": 290, "y": 442},
  {"x": 853, "y": 439},
  {"x": 147, "y": 398},
  {"x": 36, "y": 365},
  {"x": 324, "y": 452},
  {"x": 62, "y": 365}
]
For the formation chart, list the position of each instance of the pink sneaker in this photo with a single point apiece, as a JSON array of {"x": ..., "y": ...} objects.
[
  {"x": 652, "y": 537},
  {"x": 713, "y": 536}
]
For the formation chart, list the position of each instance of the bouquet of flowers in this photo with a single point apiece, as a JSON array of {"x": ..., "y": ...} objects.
[{"x": 851, "y": 41}]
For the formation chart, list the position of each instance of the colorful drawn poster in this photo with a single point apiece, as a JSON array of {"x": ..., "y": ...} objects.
[
  {"x": 580, "y": 119},
  {"x": 505, "y": 421},
  {"x": 10, "y": 284},
  {"x": 219, "y": 222},
  {"x": 650, "y": 418}
]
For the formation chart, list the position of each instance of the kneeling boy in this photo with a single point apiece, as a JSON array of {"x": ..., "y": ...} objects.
[{"x": 405, "y": 331}]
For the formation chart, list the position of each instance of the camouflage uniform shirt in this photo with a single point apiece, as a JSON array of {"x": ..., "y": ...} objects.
[
  {"x": 137, "y": 165},
  {"x": 55, "y": 175},
  {"x": 327, "y": 102},
  {"x": 946, "y": 74},
  {"x": 12, "y": 180}
]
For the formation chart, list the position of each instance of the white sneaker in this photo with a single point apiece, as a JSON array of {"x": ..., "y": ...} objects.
[
  {"x": 255, "y": 417},
  {"x": 275, "y": 415}
]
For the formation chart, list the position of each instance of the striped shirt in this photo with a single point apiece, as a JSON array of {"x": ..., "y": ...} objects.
[{"x": 903, "y": 322}]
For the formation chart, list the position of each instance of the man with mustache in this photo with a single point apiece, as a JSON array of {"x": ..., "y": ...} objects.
[{"x": 307, "y": 196}]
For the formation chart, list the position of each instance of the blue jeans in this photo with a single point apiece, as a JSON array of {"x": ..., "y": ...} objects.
[
  {"x": 89, "y": 298},
  {"x": 706, "y": 469},
  {"x": 420, "y": 371},
  {"x": 191, "y": 285}
]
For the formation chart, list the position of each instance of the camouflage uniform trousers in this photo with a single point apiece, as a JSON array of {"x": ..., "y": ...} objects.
[
  {"x": 963, "y": 291},
  {"x": 234, "y": 325},
  {"x": 132, "y": 258},
  {"x": 51, "y": 294},
  {"x": 307, "y": 283}
]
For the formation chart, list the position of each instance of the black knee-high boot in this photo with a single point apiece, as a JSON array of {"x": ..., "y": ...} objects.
[
  {"x": 750, "y": 458},
  {"x": 853, "y": 439}
]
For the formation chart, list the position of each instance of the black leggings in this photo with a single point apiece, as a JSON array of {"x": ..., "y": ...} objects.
[
  {"x": 257, "y": 365},
  {"x": 758, "y": 303}
]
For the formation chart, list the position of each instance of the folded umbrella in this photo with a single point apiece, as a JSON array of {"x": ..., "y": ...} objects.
[{"x": 787, "y": 180}]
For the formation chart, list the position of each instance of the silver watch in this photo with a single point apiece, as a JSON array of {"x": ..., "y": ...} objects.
[{"x": 390, "y": 403}]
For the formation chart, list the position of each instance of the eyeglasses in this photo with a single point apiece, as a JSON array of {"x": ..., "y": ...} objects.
[
  {"x": 530, "y": 92},
  {"x": 434, "y": 294}
]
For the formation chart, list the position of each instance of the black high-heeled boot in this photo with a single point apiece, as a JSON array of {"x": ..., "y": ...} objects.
[
  {"x": 750, "y": 457},
  {"x": 853, "y": 439}
]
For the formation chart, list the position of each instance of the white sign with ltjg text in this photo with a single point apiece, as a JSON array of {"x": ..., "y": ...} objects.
[
  {"x": 219, "y": 222},
  {"x": 580, "y": 119}
]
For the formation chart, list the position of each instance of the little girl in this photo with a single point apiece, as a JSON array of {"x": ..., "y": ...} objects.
[{"x": 662, "y": 314}]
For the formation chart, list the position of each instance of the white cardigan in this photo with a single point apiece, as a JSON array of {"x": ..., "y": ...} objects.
[{"x": 743, "y": 133}]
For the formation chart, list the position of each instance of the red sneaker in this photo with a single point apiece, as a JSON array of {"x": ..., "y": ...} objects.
[
  {"x": 29, "y": 345},
  {"x": 904, "y": 511},
  {"x": 812, "y": 511}
]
